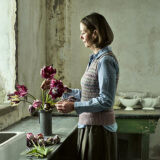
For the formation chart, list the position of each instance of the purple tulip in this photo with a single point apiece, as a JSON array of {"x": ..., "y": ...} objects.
[
  {"x": 30, "y": 136},
  {"x": 49, "y": 141},
  {"x": 30, "y": 139},
  {"x": 57, "y": 88},
  {"x": 39, "y": 139},
  {"x": 45, "y": 84},
  {"x": 15, "y": 101},
  {"x": 47, "y": 107},
  {"x": 10, "y": 96},
  {"x": 41, "y": 142},
  {"x": 56, "y": 139},
  {"x": 37, "y": 104},
  {"x": 48, "y": 72},
  {"x": 52, "y": 140},
  {"x": 31, "y": 109},
  {"x": 21, "y": 91},
  {"x": 39, "y": 136}
]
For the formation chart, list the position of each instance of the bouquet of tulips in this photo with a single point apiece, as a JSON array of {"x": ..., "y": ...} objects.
[{"x": 51, "y": 89}]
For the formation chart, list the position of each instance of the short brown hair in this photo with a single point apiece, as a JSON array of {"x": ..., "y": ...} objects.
[{"x": 97, "y": 21}]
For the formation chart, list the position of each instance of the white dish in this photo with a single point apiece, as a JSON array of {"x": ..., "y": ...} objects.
[{"x": 129, "y": 103}]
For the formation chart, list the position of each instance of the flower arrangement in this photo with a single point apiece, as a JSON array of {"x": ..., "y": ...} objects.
[{"x": 51, "y": 89}]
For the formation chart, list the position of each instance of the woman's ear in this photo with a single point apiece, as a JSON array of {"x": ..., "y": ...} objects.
[{"x": 95, "y": 34}]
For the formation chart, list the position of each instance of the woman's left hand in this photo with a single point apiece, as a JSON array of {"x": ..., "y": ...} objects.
[{"x": 65, "y": 106}]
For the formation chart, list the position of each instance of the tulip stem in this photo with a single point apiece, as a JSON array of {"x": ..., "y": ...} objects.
[
  {"x": 31, "y": 96},
  {"x": 25, "y": 101},
  {"x": 42, "y": 98},
  {"x": 47, "y": 96}
]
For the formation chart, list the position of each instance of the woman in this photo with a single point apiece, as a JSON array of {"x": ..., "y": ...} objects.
[{"x": 97, "y": 126}]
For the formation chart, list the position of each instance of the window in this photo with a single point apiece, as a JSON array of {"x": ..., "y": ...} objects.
[{"x": 7, "y": 48}]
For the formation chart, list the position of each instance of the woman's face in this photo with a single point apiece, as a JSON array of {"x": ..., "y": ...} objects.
[{"x": 86, "y": 36}]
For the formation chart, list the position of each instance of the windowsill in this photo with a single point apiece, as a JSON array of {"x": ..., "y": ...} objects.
[{"x": 6, "y": 108}]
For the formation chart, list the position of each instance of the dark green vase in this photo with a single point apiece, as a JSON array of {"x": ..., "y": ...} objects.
[{"x": 45, "y": 119}]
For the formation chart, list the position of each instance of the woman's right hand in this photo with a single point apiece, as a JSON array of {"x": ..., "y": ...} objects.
[{"x": 65, "y": 106}]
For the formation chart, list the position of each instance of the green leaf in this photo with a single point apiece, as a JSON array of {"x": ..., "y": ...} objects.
[
  {"x": 41, "y": 150},
  {"x": 38, "y": 151},
  {"x": 32, "y": 151},
  {"x": 46, "y": 151}
]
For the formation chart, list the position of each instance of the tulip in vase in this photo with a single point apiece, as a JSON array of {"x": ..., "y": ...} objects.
[{"x": 51, "y": 89}]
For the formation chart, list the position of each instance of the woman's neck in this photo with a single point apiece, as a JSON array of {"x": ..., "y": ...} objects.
[{"x": 95, "y": 50}]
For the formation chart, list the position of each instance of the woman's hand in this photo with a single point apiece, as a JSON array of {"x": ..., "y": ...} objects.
[{"x": 65, "y": 106}]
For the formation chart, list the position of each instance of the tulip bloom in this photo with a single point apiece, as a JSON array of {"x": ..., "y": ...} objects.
[
  {"x": 21, "y": 91},
  {"x": 30, "y": 139},
  {"x": 46, "y": 84},
  {"x": 56, "y": 139},
  {"x": 11, "y": 96},
  {"x": 48, "y": 72},
  {"x": 31, "y": 109},
  {"x": 30, "y": 136},
  {"x": 37, "y": 104},
  {"x": 57, "y": 88},
  {"x": 47, "y": 106},
  {"x": 39, "y": 136},
  {"x": 15, "y": 101}
]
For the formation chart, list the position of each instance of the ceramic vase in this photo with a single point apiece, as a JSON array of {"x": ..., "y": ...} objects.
[{"x": 45, "y": 120}]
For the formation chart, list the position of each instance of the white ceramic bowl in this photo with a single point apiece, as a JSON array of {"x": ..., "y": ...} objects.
[
  {"x": 129, "y": 103},
  {"x": 150, "y": 103}
]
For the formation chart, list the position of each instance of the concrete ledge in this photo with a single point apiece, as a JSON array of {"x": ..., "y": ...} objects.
[{"x": 6, "y": 108}]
